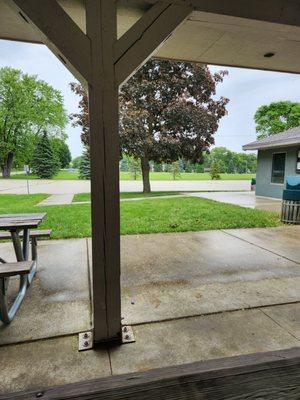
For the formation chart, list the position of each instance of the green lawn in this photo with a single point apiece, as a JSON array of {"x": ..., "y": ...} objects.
[
  {"x": 63, "y": 174},
  {"x": 154, "y": 176},
  {"x": 164, "y": 215},
  {"x": 187, "y": 176},
  {"x": 124, "y": 195}
]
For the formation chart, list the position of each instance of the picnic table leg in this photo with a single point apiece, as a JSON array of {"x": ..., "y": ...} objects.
[
  {"x": 22, "y": 252},
  {"x": 30, "y": 276},
  {"x": 17, "y": 245},
  {"x": 6, "y": 314},
  {"x": 25, "y": 244}
]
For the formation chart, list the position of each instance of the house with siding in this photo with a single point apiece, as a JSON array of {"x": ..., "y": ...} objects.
[{"x": 278, "y": 157}]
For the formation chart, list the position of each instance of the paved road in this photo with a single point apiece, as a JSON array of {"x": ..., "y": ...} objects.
[{"x": 15, "y": 186}]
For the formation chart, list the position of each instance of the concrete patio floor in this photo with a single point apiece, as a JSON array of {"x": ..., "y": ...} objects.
[
  {"x": 244, "y": 199},
  {"x": 189, "y": 296}
]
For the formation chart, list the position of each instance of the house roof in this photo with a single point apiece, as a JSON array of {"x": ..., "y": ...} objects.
[{"x": 290, "y": 137}]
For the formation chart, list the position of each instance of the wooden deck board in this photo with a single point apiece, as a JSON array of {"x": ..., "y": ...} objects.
[{"x": 260, "y": 376}]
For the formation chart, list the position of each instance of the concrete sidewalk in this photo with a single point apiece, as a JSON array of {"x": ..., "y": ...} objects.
[
  {"x": 57, "y": 199},
  {"x": 189, "y": 296},
  {"x": 244, "y": 199}
]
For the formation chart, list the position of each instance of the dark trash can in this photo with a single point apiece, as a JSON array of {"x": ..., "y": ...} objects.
[{"x": 290, "y": 212}]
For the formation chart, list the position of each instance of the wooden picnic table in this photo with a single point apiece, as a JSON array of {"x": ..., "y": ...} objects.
[
  {"x": 15, "y": 223},
  {"x": 18, "y": 225}
]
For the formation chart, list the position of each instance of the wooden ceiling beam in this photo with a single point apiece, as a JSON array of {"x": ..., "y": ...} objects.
[
  {"x": 138, "y": 44},
  {"x": 59, "y": 32}
]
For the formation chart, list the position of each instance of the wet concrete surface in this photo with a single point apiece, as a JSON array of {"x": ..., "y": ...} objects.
[
  {"x": 49, "y": 362},
  {"x": 222, "y": 273},
  {"x": 169, "y": 282},
  {"x": 284, "y": 240},
  {"x": 200, "y": 338},
  {"x": 244, "y": 199},
  {"x": 287, "y": 316},
  {"x": 58, "y": 301}
]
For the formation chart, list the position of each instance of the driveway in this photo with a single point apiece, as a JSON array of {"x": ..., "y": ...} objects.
[
  {"x": 243, "y": 199},
  {"x": 16, "y": 186}
]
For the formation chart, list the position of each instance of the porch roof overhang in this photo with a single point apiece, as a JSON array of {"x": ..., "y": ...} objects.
[
  {"x": 267, "y": 146},
  {"x": 225, "y": 32},
  {"x": 288, "y": 138}
]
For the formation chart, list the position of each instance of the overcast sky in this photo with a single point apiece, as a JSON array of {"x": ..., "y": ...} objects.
[{"x": 246, "y": 89}]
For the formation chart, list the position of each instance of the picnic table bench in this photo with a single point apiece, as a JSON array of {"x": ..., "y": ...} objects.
[{"x": 18, "y": 228}]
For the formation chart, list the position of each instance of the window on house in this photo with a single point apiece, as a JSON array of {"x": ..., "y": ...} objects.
[
  {"x": 298, "y": 163},
  {"x": 278, "y": 167}
]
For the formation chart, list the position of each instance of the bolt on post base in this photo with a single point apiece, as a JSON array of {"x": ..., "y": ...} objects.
[
  {"x": 85, "y": 341},
  {"x": 127, "y": 334}
]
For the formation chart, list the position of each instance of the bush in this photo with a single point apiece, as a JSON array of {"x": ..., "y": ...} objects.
[{"x": 215, "y": 170}]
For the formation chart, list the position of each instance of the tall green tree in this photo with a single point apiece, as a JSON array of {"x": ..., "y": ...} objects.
[
  {"x": 231, "y": 162},
  {"x": 168, "y": 111},
  {"x": 45, "y": 164},
  {"x": 76, "y": 162},
  {"x": 27, "y": 107},
  {"x": 276, "y": 117},
  {"x": 62, "y": 151}
]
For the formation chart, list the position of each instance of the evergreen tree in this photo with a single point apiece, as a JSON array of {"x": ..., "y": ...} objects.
[
  {"x": 215, "y": 170},
  {"x": 62, "y": 151},
  {"x": 44, "y": 163},
  {"x": 85, "y": 166}
]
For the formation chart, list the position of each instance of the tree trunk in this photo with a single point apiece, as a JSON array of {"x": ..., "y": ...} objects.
[
  {"x": 6, "y": 168},
  {"x": 145, "y": 172}
]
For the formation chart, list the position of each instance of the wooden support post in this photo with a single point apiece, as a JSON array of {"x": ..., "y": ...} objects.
[
  {"x": 101, "y": 21},
  {"x": 103, "y": 63}
]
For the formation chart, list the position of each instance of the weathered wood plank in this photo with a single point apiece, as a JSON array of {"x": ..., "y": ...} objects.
[
  {"x": 10, "y": 221},
  {"x": 36, "y": 234},
  {"x": 104, "y": 148},
  {"x": 144, "y": 37},
  {"x": 260, "y": 376},
  {"x": 16, "y": 268},
  {"x": 130, "y": 37},
  {"x": 59, "y": 32}
]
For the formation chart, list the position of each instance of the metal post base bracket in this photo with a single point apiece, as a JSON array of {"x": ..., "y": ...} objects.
[
  {"x": 127, "y": 335},
  {"x": 85, "y": 341}
]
